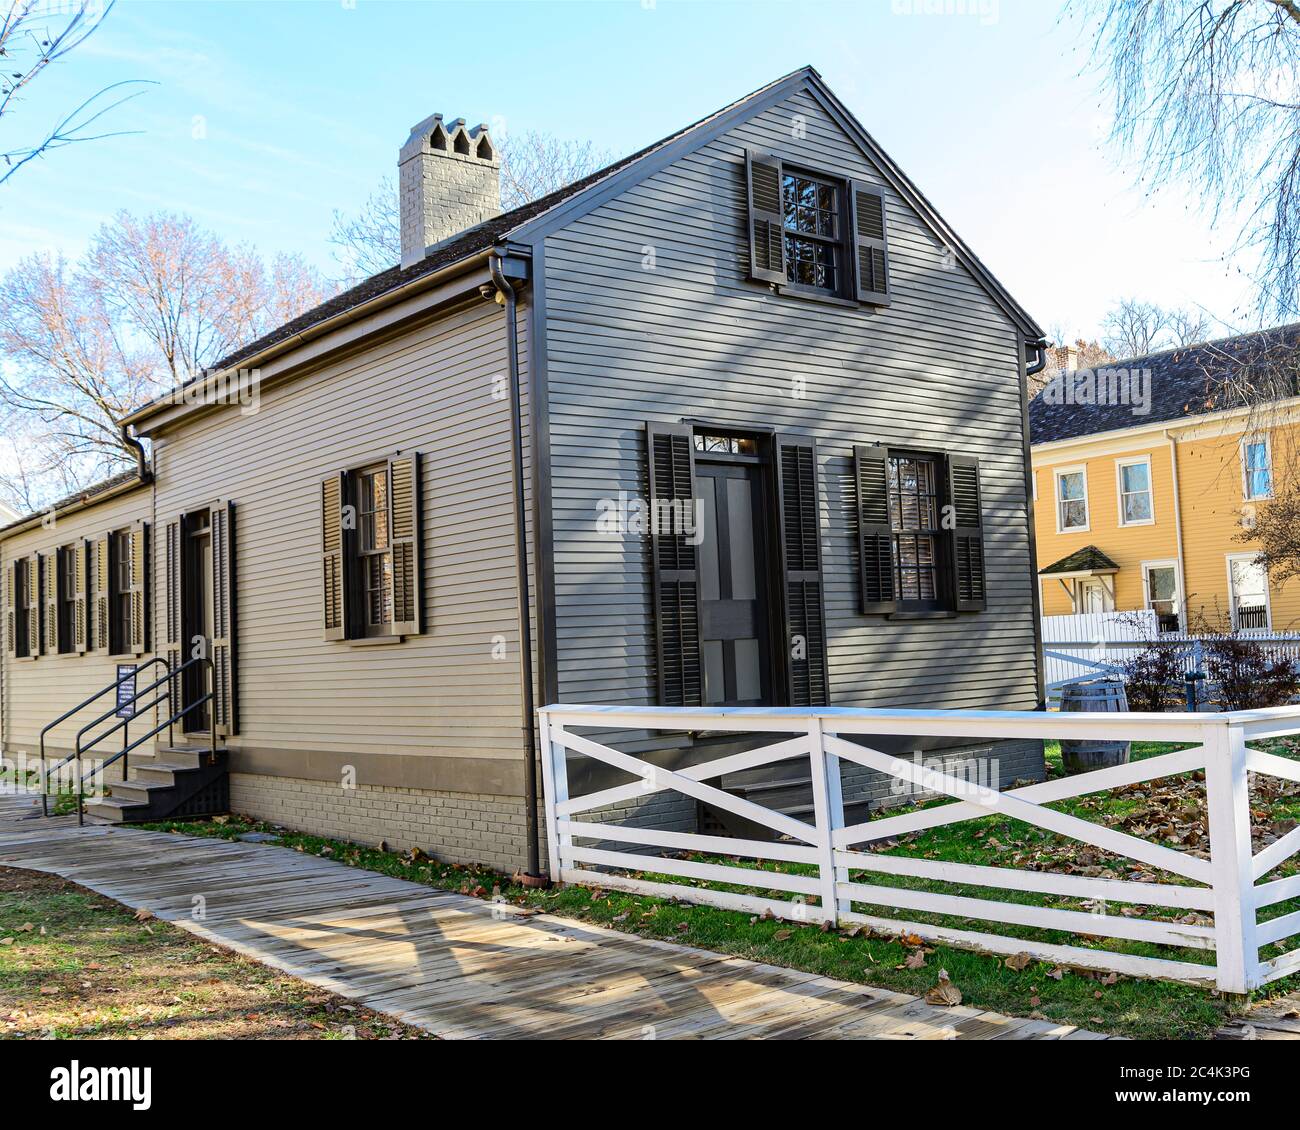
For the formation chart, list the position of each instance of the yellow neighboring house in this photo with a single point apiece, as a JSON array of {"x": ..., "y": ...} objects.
[{"x": 1147, "y": 470}]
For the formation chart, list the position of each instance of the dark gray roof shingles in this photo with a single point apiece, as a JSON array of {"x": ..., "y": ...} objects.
[
  {"x": 1089, "y": 559},
  {"x": 1174, "y": 384}
]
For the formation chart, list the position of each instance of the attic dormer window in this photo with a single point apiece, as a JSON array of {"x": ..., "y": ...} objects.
[{"x": 814, "y": 238}]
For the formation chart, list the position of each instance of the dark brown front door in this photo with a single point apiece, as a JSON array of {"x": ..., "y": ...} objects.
[{"x": 734, "y": 588}]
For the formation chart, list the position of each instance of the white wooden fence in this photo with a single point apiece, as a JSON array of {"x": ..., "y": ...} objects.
[
  {"x": 1096, "y": 644},
  {"x": 1227, "y": 885}
]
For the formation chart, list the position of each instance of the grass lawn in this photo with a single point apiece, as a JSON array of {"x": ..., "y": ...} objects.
[
  {"x": 75, "y": 965},
  {"x": 1169, "y": 811}
]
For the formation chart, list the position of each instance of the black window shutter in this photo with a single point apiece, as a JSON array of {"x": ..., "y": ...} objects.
[
  {"x": 766, "y": 226},
  {"x": 51, "y": 566},
  {"x": 875, "y": 538},
  {"x": 969, "y": 577},
  {"x": 81, "y": 601},
  {"x": 103, "y": 574},
  {"x": 404, "y": 508},
  {"x": 870, "y": 244},
  {"x": 13, "y": 574},
  {"x": 800, "y": 527},
  {"x": 671, "y": 465},
  {"x": 34, "y": 604},
  {"x": 173, "y": 648},
  {"x": 225, "y": 670},
  {"x": 137, "y": 642},
  {"x": 336, "y": 539}
]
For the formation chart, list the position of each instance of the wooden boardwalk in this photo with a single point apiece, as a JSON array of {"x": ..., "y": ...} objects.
[{"x": 464, "y": 968}]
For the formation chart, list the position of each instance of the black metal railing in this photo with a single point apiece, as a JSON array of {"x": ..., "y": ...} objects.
[{"x": 82, "y": 747}]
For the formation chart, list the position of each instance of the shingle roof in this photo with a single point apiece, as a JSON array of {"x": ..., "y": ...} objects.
[
  {"x": 86, "y": 494},
  {"x": 1089, "y": 559},
  {"x": 1233, "y": 372}
]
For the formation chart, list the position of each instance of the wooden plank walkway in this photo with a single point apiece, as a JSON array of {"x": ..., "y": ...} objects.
[{"x": 464, "y": 968}]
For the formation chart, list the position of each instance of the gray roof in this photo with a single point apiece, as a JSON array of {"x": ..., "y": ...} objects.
[
  {"x": 78, "y": 498},
  {"x": 1233, "y": 372},
  {"x": 1089, "y": 559}
]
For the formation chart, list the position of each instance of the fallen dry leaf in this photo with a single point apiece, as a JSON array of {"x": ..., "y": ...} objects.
[
  {"x": 945, "y": 994},
  {"x": 915, "y": 960},
  {"x": 1018, "y": 961},
  {"x": 782, "y": 935},
  {"x": 143, "y": 914}
]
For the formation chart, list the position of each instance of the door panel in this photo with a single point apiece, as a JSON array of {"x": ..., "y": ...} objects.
[{"x": 733, "y": 604}]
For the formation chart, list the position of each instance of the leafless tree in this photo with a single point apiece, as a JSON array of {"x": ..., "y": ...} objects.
[
  {"x": 532, "y": 165},
  {"x": 35, "y": 34},
  {"x": 153, "y": 302},
  {"x": 1207, "y": 95},
  {"x": 1133, "y": 328}
]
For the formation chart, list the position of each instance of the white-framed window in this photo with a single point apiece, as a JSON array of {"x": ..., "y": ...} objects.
[
  {"x": 1071, "y": 499},
  {"x": 1248, "y": 601},
  {"x": 1256, "y": 468},
  {"x": 1160, "y": 593},
  {"x": 1136, "y": 500}
]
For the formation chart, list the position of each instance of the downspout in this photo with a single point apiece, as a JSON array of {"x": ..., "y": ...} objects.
[
  {"x": 1178, "y": 529},
  {"x": 532, "y": 876},
  {"x": 137, "y": 449}
]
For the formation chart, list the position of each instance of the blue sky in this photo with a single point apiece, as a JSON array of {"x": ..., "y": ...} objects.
[{"x": 269, "y": 115}]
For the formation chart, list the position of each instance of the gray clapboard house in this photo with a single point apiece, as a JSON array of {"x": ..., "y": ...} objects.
[{"x": 758, "y": 326}]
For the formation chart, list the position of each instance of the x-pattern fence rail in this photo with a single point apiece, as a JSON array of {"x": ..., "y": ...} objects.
[{"x": 1226, "y": 886}]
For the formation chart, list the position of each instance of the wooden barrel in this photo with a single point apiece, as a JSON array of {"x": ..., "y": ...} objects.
[{"x": 1104, "y": 696}]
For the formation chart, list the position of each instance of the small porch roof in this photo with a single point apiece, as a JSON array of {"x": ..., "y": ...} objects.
[{"x": 1086, "y": 562}]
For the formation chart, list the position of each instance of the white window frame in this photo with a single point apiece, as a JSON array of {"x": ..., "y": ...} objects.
[
  {"x": 1232, "y": 596},
  {"x": 1057, "y": 472},
  {"x": 1137, "y": 461},
  {"x": 1147, "y": 566},
  {"x": 1247, "y": 441}
]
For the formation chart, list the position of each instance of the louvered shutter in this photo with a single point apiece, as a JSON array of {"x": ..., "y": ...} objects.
[
  {"x": 33, "y": 578},
  {"x": 51, "y": 566},
  {"x": 137, "y": 636},
  {"x": 173, "y": 650},
  {"x": 81, "y": 597},
  {"x": 404, "y": 510},
  {"x": 671, "y": 449},
  {"x": 103, "y": 573},
  {"x": 335, "y": 542},
  {"x": 796, "y": 460},
  {"x": 969, "y": 577},
  {"x": 875, "y": 538},
  {"x": 870, "y": 243},
  {"x": 13, "y": 579},
  {"x": 766, "y": 225},
  {"x": 225, "y": 670}
]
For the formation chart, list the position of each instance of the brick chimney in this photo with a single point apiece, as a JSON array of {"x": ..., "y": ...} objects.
[{"x": 448, "y": 180}]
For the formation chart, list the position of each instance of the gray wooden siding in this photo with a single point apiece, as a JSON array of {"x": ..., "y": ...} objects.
[
  {"x": 440, "y": 694},
  {"x": 693, "y": 338},
  {"x": 35, "y": 692}
]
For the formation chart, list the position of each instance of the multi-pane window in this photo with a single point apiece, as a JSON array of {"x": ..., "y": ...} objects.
[
  {"x": 119, "y": 597},
  {"x": 1258, "y": 472},
  {"x": 24, "y": 609},
  {"x": 1135, "y": 493},
  {"x": 914, "y": 520},
  {"x": 375, "y": 549},
  {"x": 727, "y": 445},
  {"x": 812, "y": 213},
  {"x": 1162, "y": 595},
  {"x": 1071, "y": 500},
  {"x": 67, "y": 599}
]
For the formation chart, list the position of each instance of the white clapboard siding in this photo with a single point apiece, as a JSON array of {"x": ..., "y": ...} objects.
[{"x": 1225, "y": 885}]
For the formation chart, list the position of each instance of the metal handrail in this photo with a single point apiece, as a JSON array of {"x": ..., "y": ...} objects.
[
  {"x": 124, "y": 723},
  {"x": 45, "y": 810}
]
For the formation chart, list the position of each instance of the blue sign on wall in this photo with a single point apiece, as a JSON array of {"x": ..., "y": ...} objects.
[{"x": 126, "y": 690}]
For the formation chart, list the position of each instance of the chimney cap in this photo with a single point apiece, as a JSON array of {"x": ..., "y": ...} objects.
[{"x": 450, "y": 138}]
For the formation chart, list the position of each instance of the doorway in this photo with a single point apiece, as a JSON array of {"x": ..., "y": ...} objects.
[
  {"x": 735, "y": 563},
  {"x": 197, "y": 618}
]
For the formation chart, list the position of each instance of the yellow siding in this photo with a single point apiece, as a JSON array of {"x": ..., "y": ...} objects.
[
  {"x": 1127, "y": 546},
  {"x": 1213, "y": 500}
]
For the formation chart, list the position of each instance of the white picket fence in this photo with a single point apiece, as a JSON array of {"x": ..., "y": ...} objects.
[
  {"x": 1097, "y": 644},
  {"x": 1227, "y": 885}
]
